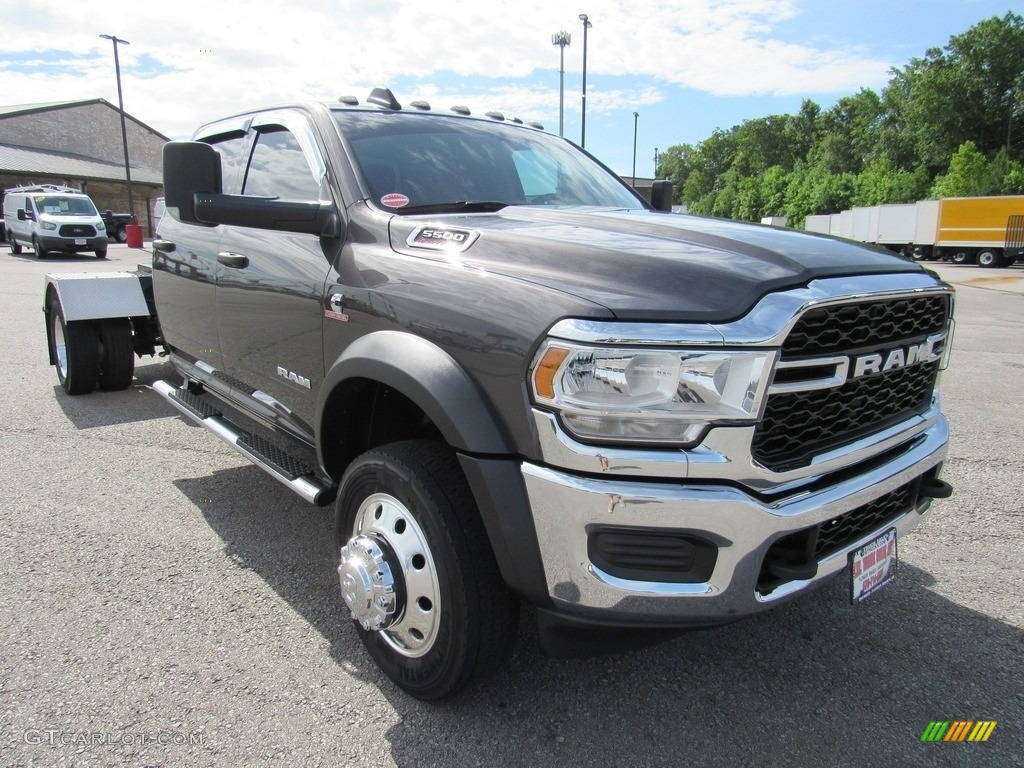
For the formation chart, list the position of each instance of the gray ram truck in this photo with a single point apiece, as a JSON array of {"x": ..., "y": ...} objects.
[{"x": 516, "y": 381}]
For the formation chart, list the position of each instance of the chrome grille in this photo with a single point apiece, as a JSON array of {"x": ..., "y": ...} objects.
[{"x": 797, "y": 426}]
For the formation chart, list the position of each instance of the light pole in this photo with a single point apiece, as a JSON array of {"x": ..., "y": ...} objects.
[
  {"x": 583, "y": 131},
  {"x": 636, "y": 119},
  {"x": 656, "y": 162},
  {"x": 562, "y": 39},
  {"x": 124, "y": 130}
]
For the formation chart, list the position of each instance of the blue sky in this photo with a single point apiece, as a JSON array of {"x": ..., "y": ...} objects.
[{"x": 686, "y": 67}]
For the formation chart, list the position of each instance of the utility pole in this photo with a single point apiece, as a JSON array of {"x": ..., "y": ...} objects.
[
  {"x": 583, "y": 130},
  {"x": 636, "y": 119},
  {"x": 124, "y": 130},
  {"x": 562, "y": 39}
]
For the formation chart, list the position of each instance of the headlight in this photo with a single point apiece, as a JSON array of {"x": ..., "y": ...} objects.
[
  {"x": 644, "y": 395},
  {"x": 47, "y": 225}
]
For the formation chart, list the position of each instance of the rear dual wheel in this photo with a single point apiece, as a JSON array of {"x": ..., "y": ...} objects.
[
  {"x": 88, "y": 354},
  {"x": 417, "y": 572}
]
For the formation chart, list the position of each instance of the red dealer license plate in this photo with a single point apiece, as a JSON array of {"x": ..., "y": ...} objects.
[{"x": 873, "y": 565}]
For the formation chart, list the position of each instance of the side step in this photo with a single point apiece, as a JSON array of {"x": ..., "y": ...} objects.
[{"x": 281, "y": 466}]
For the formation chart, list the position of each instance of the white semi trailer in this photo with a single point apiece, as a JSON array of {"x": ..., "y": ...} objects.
[{"x": 986, "y": 230}]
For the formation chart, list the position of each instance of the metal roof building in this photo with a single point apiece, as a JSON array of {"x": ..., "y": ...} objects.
[{"x": 79, "y": 144}]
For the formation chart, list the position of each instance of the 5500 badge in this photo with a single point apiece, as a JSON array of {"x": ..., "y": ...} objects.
[{"x": 442, "y": 239}]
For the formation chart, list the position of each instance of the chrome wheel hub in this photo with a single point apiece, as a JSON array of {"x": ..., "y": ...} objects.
[
  {"x": 367, "y": 584},
  {"x": 388, "y": 577}
]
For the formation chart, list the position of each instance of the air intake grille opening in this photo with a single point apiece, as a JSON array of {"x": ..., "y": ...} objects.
[
  {"x": 659, "y": 555},
  {"x": 818, "y": 542}
]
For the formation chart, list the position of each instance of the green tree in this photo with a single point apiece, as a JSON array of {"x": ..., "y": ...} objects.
[
  {"x": 882, "y": 182},
  {"x": 970, "y": 174},
  {"x": 966, "y": 91}
]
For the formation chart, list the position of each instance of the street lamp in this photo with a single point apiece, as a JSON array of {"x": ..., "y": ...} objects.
[
  {"x": 562, "y": 39},
  {"x": 124, "y": 131},
  {"x": 583, "y": 131},
  {"x": 636, "y": 118}
]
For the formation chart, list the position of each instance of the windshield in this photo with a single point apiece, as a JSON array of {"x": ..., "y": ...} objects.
[
  {"x": 422, "y": 163},
  {"x": 65, "y": 206}
]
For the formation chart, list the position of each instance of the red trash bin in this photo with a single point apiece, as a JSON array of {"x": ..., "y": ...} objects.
[{"x": 134, "y": 232}]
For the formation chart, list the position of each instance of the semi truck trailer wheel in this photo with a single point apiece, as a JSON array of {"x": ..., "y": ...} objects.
[{"x": 989, "y": 258}]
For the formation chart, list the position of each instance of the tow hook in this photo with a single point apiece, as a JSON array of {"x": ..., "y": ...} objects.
[{"x": 933, "y": 488}]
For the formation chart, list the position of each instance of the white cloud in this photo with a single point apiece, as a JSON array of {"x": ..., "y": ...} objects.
[{"x": 229, "y": 55}]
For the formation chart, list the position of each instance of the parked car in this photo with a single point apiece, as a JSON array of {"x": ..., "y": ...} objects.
[{"x": 47, "y": 217}]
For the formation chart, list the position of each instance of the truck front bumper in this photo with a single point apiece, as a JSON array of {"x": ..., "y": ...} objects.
[{"x": 737, "y": 533}]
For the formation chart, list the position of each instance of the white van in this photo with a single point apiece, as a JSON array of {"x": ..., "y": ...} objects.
[{"x": 48, "y": 218}]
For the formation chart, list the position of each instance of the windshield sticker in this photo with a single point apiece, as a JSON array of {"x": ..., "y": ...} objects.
[
  {"x": 394, "y": 200},
  {"x": 442, "y": 239}
]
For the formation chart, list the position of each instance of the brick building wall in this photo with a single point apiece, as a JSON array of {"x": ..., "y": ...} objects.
[{"x": 92, "y": 129}]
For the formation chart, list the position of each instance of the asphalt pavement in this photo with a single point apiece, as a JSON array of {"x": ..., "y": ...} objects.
[{"x": 165, "y": 603}]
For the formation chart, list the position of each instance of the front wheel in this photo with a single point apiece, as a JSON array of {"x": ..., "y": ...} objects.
[
  {"x": 121, "y": 234},
  {"x": 76, "y": 352},
  {"x": 417, "y": 571},
  {"x": 37, "y": 248}
]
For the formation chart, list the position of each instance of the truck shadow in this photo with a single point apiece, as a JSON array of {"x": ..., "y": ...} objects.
[
  {"x": 104, "y": 409},
  {"x": 815, "y": 682},
  {"x": 55, "y": 258}
]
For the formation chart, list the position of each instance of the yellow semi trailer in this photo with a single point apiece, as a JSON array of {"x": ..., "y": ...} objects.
[{"x": 985, "y": 230}]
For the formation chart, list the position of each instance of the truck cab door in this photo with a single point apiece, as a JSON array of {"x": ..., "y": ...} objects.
[
  {"x": 185, "y": 267},
  {"x": 270, "y": 283}
]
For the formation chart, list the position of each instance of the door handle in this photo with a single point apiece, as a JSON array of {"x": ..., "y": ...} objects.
[
  {"x": 236, "y": 260},
  {"x": 164, "y": 246}
]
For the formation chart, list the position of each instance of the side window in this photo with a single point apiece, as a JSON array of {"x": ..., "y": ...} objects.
[
  {"x": 278, "y": 168},
  {"x": 233, "y": 157}
]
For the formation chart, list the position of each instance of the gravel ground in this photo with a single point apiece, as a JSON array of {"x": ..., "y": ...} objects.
[{"x": 162, "y": 602}]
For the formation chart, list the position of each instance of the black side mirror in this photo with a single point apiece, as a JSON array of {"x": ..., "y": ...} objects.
[
  {"x": 190, "y": 167},
  {"x": 661, "y": 195}
]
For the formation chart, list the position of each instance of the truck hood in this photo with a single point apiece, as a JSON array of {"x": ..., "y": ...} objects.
[{"x": 642, "y": 265}]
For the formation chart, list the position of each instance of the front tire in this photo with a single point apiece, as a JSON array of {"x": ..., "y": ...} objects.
[
  {"x": 37, "y": 248},
  {"x": 417, "y": 571},
  {"x": 121, "y": 234},
  {"x": 76, "y": 351}
]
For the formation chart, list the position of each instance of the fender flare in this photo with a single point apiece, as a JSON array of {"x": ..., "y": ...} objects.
[{"x": 428, "y": 376}]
